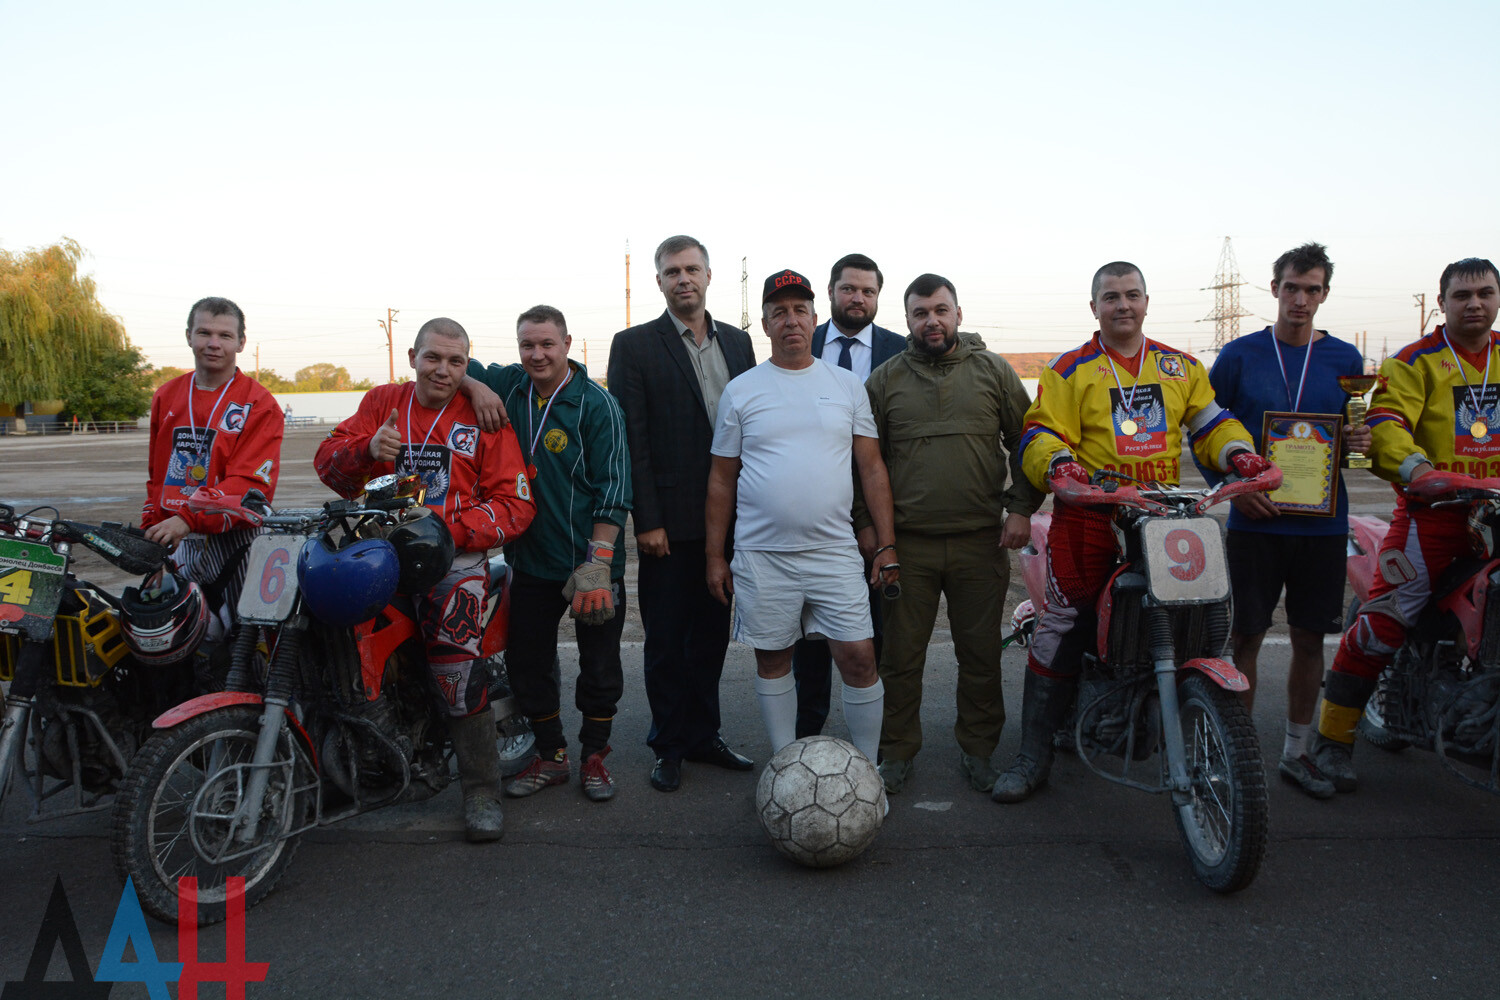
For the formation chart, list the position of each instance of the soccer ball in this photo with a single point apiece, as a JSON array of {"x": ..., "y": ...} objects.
[{"x": 821, "y": 801}]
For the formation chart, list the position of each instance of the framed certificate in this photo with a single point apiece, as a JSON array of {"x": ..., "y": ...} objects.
[{"x": 1305, "y": 446}]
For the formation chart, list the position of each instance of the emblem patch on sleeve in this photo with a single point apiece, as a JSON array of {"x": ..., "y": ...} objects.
[{"x": 1170, "y": 366}]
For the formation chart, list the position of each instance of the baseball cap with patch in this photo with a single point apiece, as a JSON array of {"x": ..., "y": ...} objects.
[{"x": 784, "y": 281}]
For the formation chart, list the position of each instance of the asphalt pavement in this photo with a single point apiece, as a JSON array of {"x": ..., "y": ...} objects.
[{"x": 1393, "y": 891}]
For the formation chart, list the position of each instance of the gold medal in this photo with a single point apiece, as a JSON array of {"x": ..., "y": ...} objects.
[
  {"x": 198, "y": 473},
  {"x": 1478, "y": 429},
  {"x": 1128, "y": 427}
]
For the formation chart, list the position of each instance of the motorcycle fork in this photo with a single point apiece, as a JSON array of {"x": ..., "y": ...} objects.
[
  {"x": 31, "y": 664},
  {"x": 1164, "y": 664},
  {"x": 272, "y": 723}
]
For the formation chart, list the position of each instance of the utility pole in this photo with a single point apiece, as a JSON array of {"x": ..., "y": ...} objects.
[
  {"x": 745, "y": 294},
  {"x": 1226, "y": 288},
  {"x": 627, "y": 294},
  {"x": 390, "y": 345},
  {"x": 1425, "y": 315},
  {"x": 257, "y": 362}
]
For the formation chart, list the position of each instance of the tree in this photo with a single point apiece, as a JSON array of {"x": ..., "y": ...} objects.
[
  {"x": 116, "y": 387},
  {"x": 321, "y": 377},
  {"x": 273, "y": 382},
  {"x": 52, "y": 326},
  {"x": 166, "y": 373}
]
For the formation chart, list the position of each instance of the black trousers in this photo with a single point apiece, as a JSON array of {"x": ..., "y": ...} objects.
[
  {"x": 536, "y": 606},
  {"x": 687, "y": 634},
  {"x": 812, "y": 667}
]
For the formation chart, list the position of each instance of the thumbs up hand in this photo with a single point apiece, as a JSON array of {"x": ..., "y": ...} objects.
[{"x": 385, "y": 445}]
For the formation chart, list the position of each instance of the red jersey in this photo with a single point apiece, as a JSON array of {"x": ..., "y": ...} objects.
[
  {"x": 229, "y": 437},
  {"x": 475, "y": 479}
]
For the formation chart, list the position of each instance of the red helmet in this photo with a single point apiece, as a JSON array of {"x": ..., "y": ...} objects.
[{"x": 165, "y": 624}]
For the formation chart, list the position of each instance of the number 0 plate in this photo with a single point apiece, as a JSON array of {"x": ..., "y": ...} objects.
[
  {"x": 1185, "y": 560},
  {"x": 270, "y": 579}
]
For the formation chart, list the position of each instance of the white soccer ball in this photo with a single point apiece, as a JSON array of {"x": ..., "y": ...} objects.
[{"x": 821, "y": 801}]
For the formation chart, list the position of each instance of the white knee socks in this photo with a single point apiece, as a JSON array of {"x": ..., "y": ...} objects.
[
  {"x": 778, "y": 708},
  {"x": 864, "y": 711}
]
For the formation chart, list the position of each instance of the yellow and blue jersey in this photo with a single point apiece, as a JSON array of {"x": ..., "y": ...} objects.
[
  {"x": 1433, "y": 405},
  {"x": 1080, "y": 410}
]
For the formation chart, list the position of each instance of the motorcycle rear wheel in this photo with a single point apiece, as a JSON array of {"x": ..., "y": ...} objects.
[
  {"x": 153, "y": 826},
  {"x": 1224, "y": 826}
]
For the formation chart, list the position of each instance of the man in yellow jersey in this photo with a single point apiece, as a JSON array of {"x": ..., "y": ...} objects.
[
  {"x": 1434, "y": 408},
  {"x": 1114, "y": 403}
]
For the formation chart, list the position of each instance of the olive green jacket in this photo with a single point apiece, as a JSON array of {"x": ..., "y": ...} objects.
[{"x": 948, "y": 428}]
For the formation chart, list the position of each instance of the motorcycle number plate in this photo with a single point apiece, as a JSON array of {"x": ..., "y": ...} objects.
[
  {"x": 1185, "y": 560},
  {"x": 270, "y": 579},
  {"x": 31, "y": 587}
]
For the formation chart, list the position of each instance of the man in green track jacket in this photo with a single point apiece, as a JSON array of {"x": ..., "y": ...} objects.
[{"x": 572, "y": 435}]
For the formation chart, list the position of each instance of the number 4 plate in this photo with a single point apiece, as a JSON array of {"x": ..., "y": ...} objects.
[
  {"x": 1185, "y": 560},
  {"x": 31, "y": 586},
  {"x": 270, "y": 579}
]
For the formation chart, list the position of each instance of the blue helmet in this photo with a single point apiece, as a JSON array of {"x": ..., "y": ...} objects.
[{"x": 350, "y": 585}]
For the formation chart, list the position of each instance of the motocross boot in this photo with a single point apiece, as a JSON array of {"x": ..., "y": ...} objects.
[
  {"x": 1043, "y": 710},
  {"x": 1344, "y": 697},
  {"x": 479, "y": 775}
]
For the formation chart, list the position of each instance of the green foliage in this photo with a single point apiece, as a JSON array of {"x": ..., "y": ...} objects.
[
  {"x": 322, "y": 377},
  {"x": 117, "y": 386},
  {"x": 52, "y": 326},
  {"x": 272, "y": 381},
  {"x": 161, "y": 376}
]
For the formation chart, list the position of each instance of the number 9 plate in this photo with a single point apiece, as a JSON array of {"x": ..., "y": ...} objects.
[
  {"x": 270, "y": 579},
  {"x": 1185, "y": 560}
]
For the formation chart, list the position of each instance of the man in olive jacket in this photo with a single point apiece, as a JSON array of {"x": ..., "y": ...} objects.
[{"x": 943, "y": 409}]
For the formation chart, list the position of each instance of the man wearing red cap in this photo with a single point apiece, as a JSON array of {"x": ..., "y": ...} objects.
[{"x": 786, "y": 433}]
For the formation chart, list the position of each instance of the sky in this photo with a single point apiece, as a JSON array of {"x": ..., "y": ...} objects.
[{"x": 321, "y": 162}]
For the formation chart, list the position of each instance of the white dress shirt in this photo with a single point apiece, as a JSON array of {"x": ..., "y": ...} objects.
[{"x": 861, "y": 352}]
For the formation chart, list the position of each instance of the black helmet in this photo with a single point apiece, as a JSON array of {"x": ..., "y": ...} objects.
[
  {"x": 165, "y": 624},
  {"x": 425, "y": 547}
]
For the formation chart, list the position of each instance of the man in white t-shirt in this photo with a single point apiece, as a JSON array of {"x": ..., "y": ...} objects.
[{"x": 787, "y": 430}]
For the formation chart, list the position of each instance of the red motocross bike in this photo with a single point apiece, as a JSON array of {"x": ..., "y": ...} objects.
[
  {"x": 1156, "y": 685},
  {"x": 329, "y": 709},
  {"x": 1441, "y": 691}
]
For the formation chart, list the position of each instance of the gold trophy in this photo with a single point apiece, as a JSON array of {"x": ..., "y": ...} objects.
[{"x": 1356, "y": 386}]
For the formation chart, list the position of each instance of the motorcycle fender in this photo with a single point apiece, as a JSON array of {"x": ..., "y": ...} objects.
[
  {"x": 1221, "y": 672},
  {"x": 1466, "y": 603},
  {"x": 219, "y": 699},
  {"x": 201, "y": 704},
  {"x": 1365, "y": 535}
]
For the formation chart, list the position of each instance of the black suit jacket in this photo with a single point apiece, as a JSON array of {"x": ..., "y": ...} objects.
[
  {"x": 884, "y": 344},
  {"x": 652, "y": 376}
]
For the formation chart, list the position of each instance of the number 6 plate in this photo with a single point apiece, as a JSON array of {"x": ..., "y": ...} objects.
[
  {"x": 270, "y": 579},
  {"x": 1185, "y": 560}
]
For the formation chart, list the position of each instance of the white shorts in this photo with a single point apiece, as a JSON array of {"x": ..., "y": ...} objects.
[{"x": 780, "y": 597}]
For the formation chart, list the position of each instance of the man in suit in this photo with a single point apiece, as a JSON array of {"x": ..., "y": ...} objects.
[
  {"x": 668, "y": 376},
  {"x": 858, "y": 345}
]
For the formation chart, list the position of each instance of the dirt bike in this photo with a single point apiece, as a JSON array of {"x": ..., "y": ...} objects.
[
  {"x": 79, "y": 704},
  {"x": 1441, "y": 691},
  {"x": 318, "y": 722},
  {"x": 1156, "y": 685}
]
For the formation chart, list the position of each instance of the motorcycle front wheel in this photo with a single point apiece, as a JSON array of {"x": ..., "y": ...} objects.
[
  {"x": 1224, "y": 825},
  {"x": 171, "y": 818}
]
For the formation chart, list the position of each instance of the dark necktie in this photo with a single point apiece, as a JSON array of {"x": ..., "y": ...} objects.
[{"x": 846, "y": 360}]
